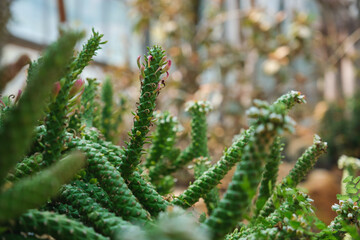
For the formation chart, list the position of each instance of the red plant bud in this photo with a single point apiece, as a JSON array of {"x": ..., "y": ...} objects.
[
  {"x": 149, "y": 59},
  {"x": 77, "y": 87},
  {"x": 18, "y": 96},
  {"x": 163, "y": 60},
  {"x": 166, "y": 77},
  {"x": 167, "y": 67},
  {"x": 56, "y": 89},
  {"x": 142, "y": 70},
  {"x": 1, "y": 101}
]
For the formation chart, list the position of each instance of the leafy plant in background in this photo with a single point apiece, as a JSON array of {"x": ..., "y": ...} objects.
[
  {"x": 113, "y": 196},
  {"x": 343, "y": 121}
]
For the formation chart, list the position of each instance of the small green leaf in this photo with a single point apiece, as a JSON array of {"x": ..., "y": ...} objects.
[
  {"x": 320, "y": 225},
  {"x": 356, "y": 179},
  {"x": 351, "y": 190},
  {"x": 355, "y": 198},
  {"x": 347, "y": 179},
  {"x": 342, "y": 197},
  {"x": 294, "y": 224}
]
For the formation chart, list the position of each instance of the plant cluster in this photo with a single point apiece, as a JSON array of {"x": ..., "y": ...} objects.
[{"x": 115, "y": 196}]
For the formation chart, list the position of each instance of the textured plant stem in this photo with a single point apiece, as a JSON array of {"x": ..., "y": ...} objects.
[
  {"x": 150, "y": 78},
  {"x": 56, "y": 119},
  {"x": 107, "y": 98},
  {"x": 270, "y": 174},
  {"x": 17, "y": 127},
  {"x": 124, "y": 202},
  {"x": 212, "y": 177},
  {"x": 303, "y": 165},
  {"x": 103, "y": 221},
  {"x": 55, "y": 225},
  {"x": 33, "y": 192}
]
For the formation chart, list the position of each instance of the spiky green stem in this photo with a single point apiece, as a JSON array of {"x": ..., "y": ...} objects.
[
  {"x": 270, "y": 174},
  {"x": 65, "y": 209},
  {"x": 33, "y": 192},
  {"x": 142, "y": 190},
  {"x": 55, "y": 225},
  {"x": 163, "y": 139},
  {"x": 198, "y": 146},
  {"x": 150, "y": 78},
  {"x": 212, "y": 198},
  {"x": 17, "y": 127},
  {"x": 213, "y": 176},
  {"x": 87, "y": 100},
  {"x": 103, "y": 221},
  {"x": 57, "y": 120},
  {"x": 26, "y": 167},
  {"x": 124, "y": 202},
  {"x": 198, "y": 111},
  {"x": 147, "y": 195},
  {"x": 304, "y": 164},
  {"x": 96, "y": 193},
  {"x": 268, "y": 122},
  {"x": 107, "y": 98}
]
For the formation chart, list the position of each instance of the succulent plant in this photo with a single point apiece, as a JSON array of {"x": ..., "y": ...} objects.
[{"x": 47, "y": 188}]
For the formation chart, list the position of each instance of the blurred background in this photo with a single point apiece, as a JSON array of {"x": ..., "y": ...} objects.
[{"x": 225, "y": 51}]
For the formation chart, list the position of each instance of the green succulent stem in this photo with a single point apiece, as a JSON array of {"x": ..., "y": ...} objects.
[
  {"x": 95, "y": 192},
  {"x": 268, "y": 121},
  {"x": 88, "y": 101},
  {"x": 107, "y": 98},
  {"x": 150, "y": 77},
  {"x": 56, "y": 119},
  {"x": 28, "y": 166},
  {"x": 146, "y": 194},
  {"x": 270, "y": 174},
  {"x": 162, "y": 150},
  {"x": 212, "y": 177},
  {"x": 212, "y": 198},
  {"x": 124, "y": 202},
  {"x": 198, "y": 146},
  {"x": 63, "y": 208},
  {"x": 17, "y": 127},
  {"x": 103, "y": 221},
  {"x": 32, "y": 192},
  {"x": 303, "y": 165},
  {"x": 163, "y": 140},
  {"x": 58, "y": 226}
]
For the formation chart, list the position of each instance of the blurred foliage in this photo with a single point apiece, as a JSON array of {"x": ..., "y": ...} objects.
[{"x": 339, "y": 126}]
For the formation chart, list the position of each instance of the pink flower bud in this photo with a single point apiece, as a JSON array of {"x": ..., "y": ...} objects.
[
  {"x": 78, "y": 86},
  {"x": 1, "y": 101},
  {"x": 138, "y": 61},
  {"x": 142, "y": 70},
  {"x": 149, "y": 59},
  {"x": 56, "y": 89},
  {"x": 163, "y": 60},
  {"x": 18, "y": 96},
  {"x": 167, "y": 67},
  {"x": 71, "y": 113},
  {"x": 166, "y": 77}
]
